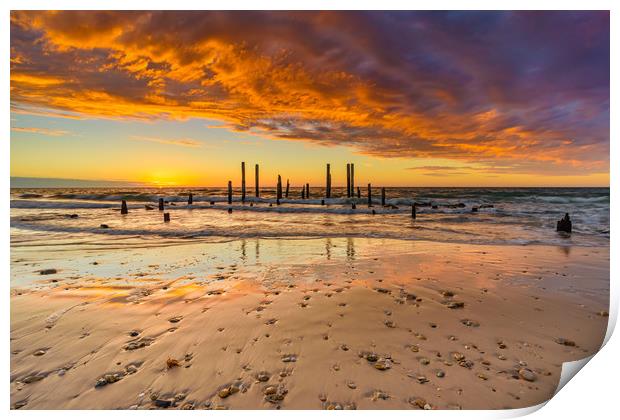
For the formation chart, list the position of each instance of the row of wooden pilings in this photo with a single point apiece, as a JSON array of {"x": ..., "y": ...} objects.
[{"x": 305, "y": 191}]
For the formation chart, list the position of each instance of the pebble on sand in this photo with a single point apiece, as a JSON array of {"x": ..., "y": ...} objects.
[
  {"x": 172, "y": 363},
  {"x": 527, "y": 374},
  {"x": 380, "y": 395},
  {"x": 48, "y": 271},
  {"x": 262, "y": 376},
  {"x": 469, "y": 323},
  {"x": 565, "y": 342},
  {"x": 420, "y": 403},
  {"x": 383, "y": 364}
]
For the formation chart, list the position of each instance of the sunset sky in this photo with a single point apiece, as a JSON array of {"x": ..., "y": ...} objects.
[{"x": 413, "y": 98}]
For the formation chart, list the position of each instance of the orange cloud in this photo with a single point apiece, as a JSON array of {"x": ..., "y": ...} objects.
[{"x": 370, "y": 81}]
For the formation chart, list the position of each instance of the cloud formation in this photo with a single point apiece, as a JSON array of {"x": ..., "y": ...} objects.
[
  {"x": 524, "y": 90},
  {"x": 175, "y": 142},
  {"x": 39, "y": 130}
]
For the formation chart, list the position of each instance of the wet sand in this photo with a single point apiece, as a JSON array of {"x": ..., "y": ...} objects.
[{"x": 316, "y": 324}]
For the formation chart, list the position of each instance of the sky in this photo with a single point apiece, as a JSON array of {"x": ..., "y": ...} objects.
[{"x": 412, "y": 98}]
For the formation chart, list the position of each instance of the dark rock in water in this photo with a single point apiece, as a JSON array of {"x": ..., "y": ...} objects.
[
  {"x": 565, "y": 224},
  {"x": 353, "y": 206},
  {"x": 486, "y": 206},
  {"x": 474, "y": 209},
  {"x": 148, "y": 207},
  {"x": 73, "y": 216},
  {"x": 211, "y": 202},
  {"x": 461, "y": 205},
  {"x": 104, "y": 226},
  {"x": 434, "y": 206},
  {"x": 229, "y": 210},
  {"x": 48, "y": 271}
]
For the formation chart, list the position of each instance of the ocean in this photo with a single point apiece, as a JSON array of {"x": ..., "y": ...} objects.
[{"x": 512, "y": 216}]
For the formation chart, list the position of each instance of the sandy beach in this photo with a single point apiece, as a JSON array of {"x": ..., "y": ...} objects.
[{"x": 301, "y": 324}]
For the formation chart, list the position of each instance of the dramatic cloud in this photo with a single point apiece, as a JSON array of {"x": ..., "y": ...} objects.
[{"x": 527, "y": 90}]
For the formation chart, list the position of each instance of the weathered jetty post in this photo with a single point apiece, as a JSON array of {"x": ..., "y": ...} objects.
[
  {"x": 369, "y": 196},
  {"x": 257, "y": 192},
  {"x": 307, "y": 191},
  {"x": 303, "y": 192},
  {"x": 287, "y": 187},
  {"x": 279, "y": 190},
  {"x": 229, "y": 192},
  {"x": 243, "y": 182},
  {"x": 413, "y": 211},
  {"x": 124, "y": 207},
  {"x": 328, "y": 182},
  {"x": 348, "y": 180},
  {"x": 359, "y": 192},
  {"x": 383, "y": 196},
  {"x": 190, "y": 199},
  {"x": 161, "y": 204},
  {"x": 564, "y": 224},
  {"x": 166, "y": 217},
  {"x": 353, "y": 179}
]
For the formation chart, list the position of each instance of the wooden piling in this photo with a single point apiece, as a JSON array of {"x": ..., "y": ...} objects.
[
  {"x": 359, "y": 192},
  {"x": 383, "y": 196},
  {"x": 413, "y": 215},
  {"x": 307, "y": 191},
  {"x": 348, "y": 180},
  {"x": 161, "y": 204},
  {"x": 353, "y": 179},
  {"x": 243, "y": 182},
  {"x": 166, "y": 217},
  {"x": 279, "y": 187},
  {"x": 124, "y": 207},
  {"x": 369, "y": 196},
  {"x": 190, "y": 199},
  {"x": 229, "y": 192},
  {"x": 257, "y": 192},
  {"x": 279, "y": 190},
  {"x": 328, "y": 182},
  {"x": 287, "y": 187}
]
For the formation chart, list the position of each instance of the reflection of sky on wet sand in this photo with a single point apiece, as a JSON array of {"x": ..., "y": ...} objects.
[{"x": 255, "y": 262}]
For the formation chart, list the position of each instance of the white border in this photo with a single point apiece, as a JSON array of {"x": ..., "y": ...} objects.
[{"x": 592, "y": 394}]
